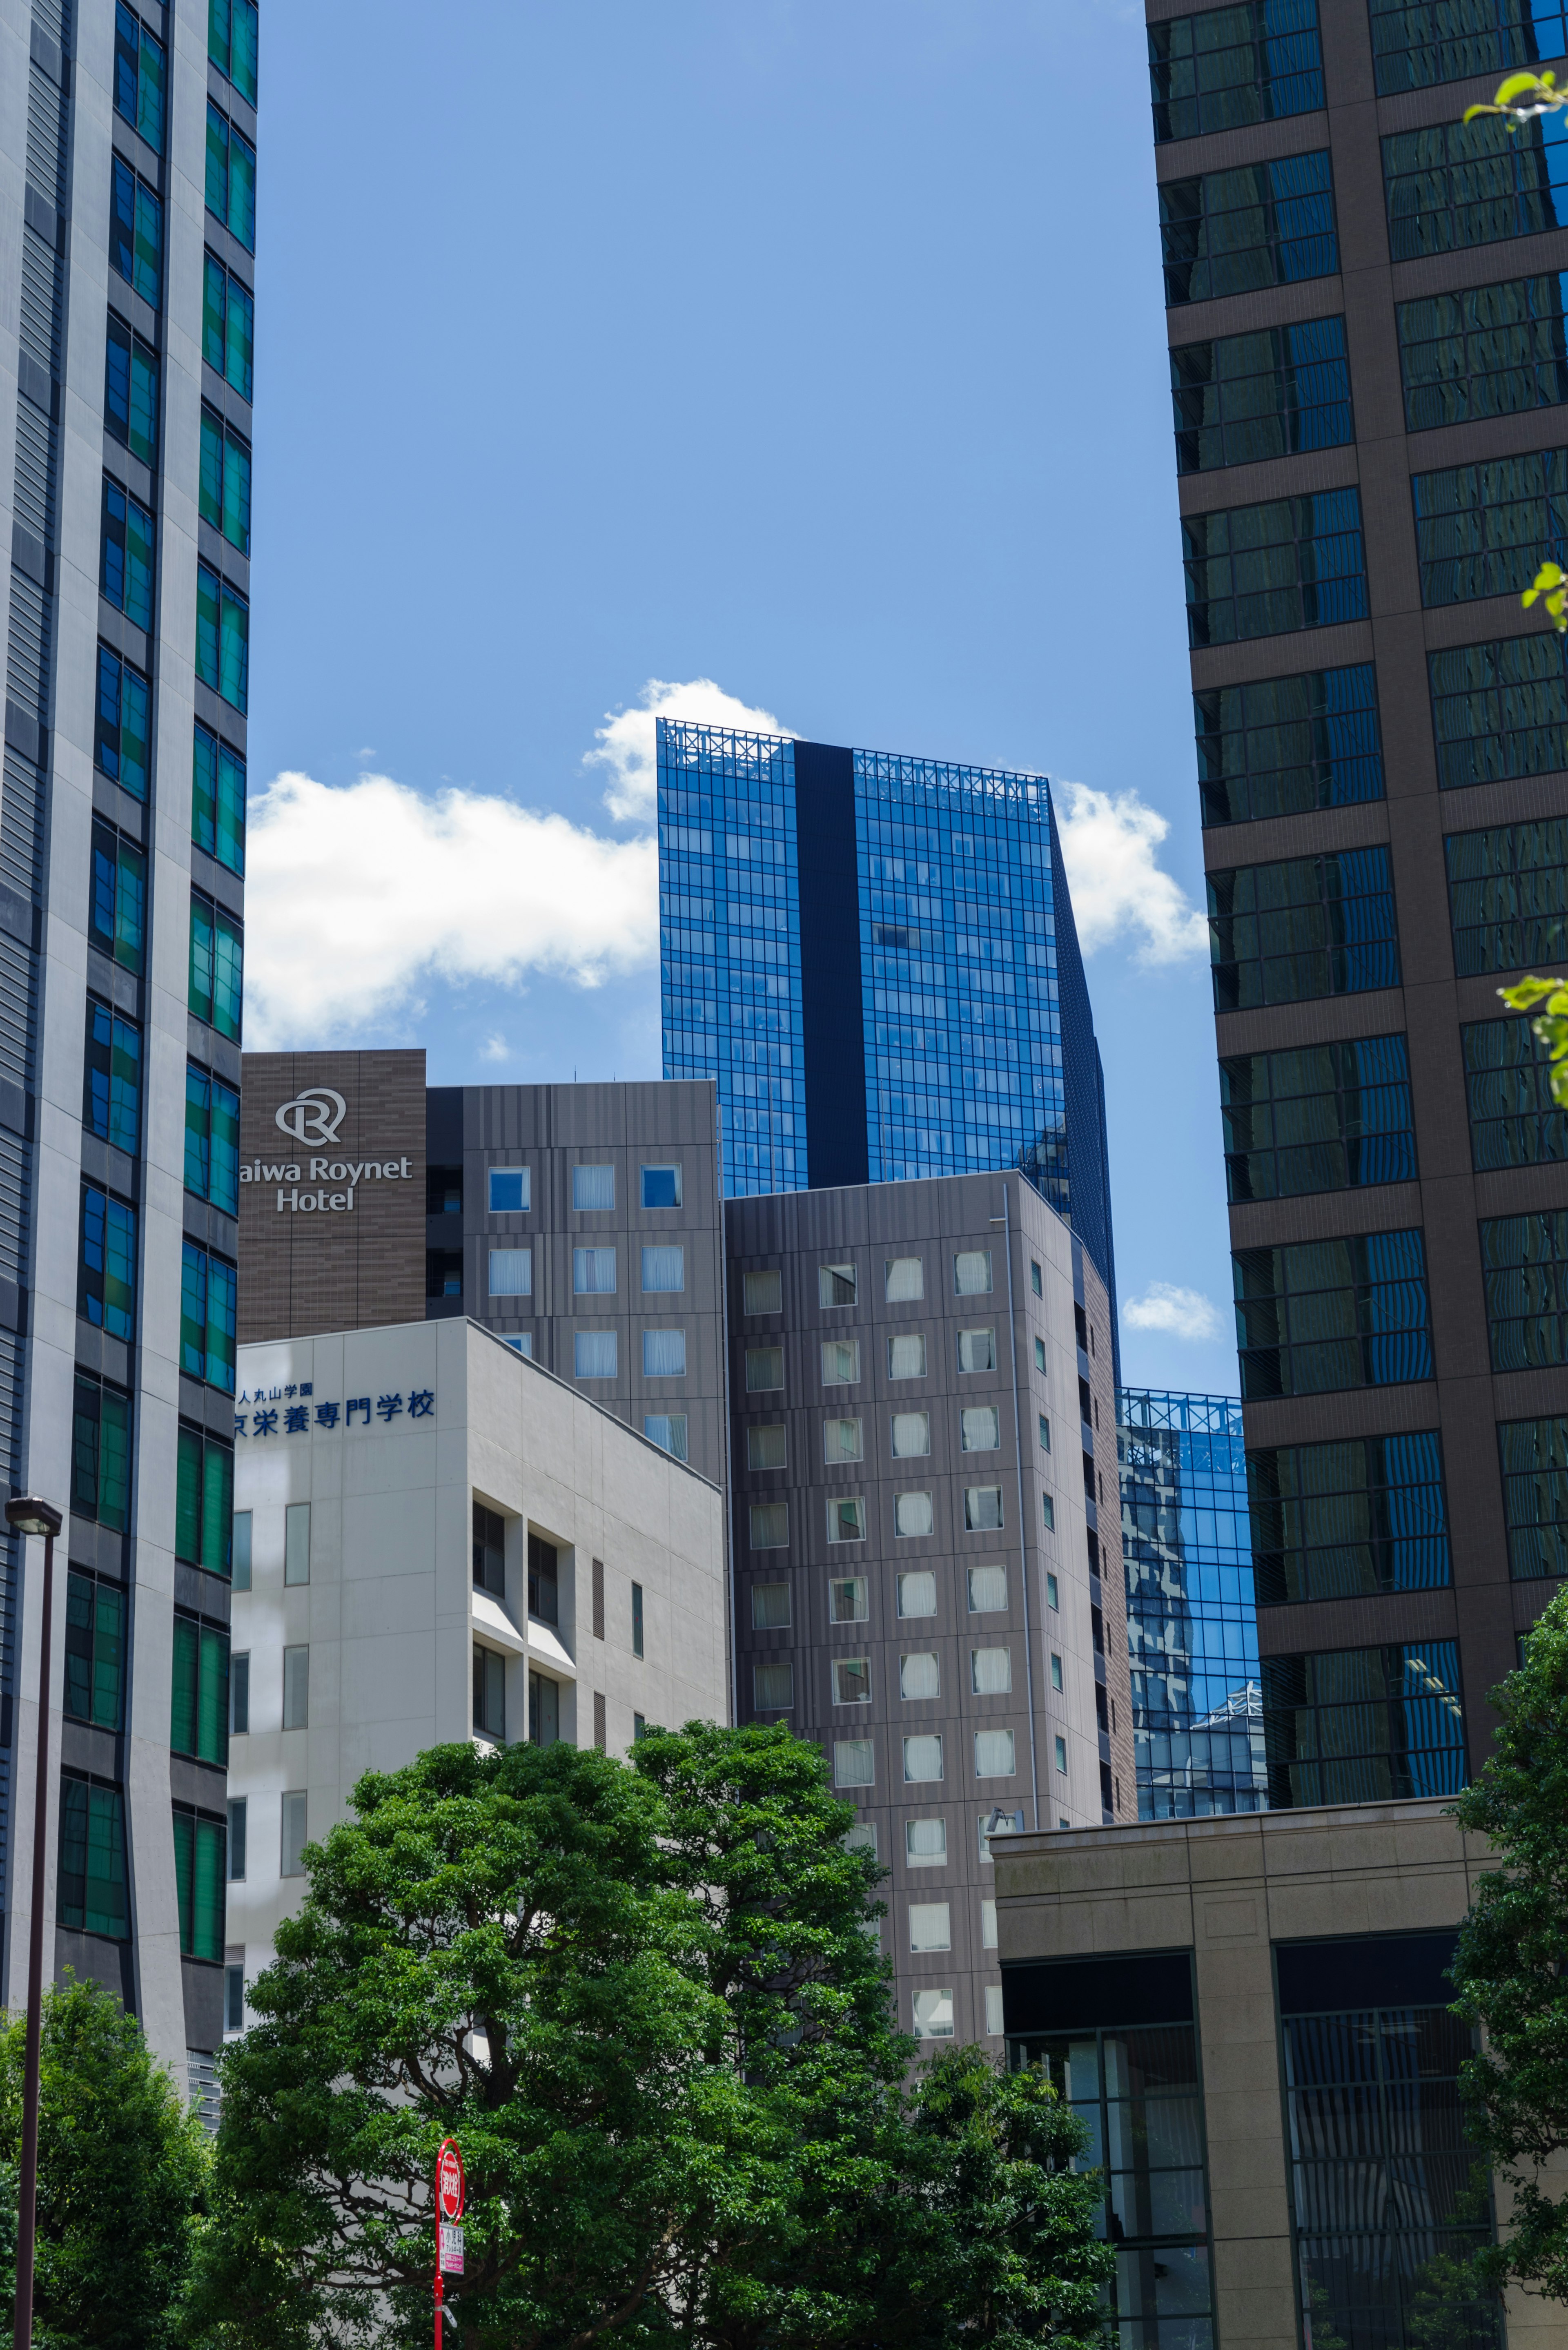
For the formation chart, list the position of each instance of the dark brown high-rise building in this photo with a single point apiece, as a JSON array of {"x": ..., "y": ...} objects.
[{"x": 1369, "y": 365}]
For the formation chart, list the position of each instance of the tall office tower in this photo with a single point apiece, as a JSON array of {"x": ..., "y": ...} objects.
[
  {"x": 925, "y": 1532},
  {"x": 1192, "y": 1627},
  {"x": 875, "y": 959},
  {"x": 128, "y": 147},
  {"x": 1369, "y": 373}
]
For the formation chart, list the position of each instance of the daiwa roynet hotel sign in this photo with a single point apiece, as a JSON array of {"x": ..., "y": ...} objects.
[{"x": 314, "y": 1116}]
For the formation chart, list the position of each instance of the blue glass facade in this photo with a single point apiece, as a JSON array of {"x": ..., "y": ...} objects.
[
  {"x": 1192, "y": 1634},
  {"x": 876, "y": 959}
]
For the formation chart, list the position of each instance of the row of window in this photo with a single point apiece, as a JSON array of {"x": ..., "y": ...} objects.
[
  {"x": 909, "y": 1436},
  {"x": 93, "y": 1895},
  {"x": 923, "y": 1757},
  {"x": 594, "y": 1272},
  {"x": 1262, "y": 60},
  {"x": 915, "y": 1588},
  {"x": 107, "y": 1285},
  {"x": 914, "y": 1515},
  {"x": 908, "y": 1355},
  {"x": 919, "y": 1676},
  {"x": 509, "y": 1191},
  {"x": 207, "y": 1532},
  {"x": 116, "y": 924},
  {"x": 903, "y": 1282}
]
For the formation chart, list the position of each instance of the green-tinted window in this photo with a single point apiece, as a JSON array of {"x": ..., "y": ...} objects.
[
  {"x": 1535, "y": 1496},
  {"x": 130, "y": 391},
  {"x": 1286, "y": 744},
  {"x": 122, "y": 727},
  {"x": 1269, "y": 394},
  {"x": 199, "y": 1719},
  {"x": 91, "y": 1892},
  {"x": 228, "y": 326},
  {"x": 101, "y": 1454},
  {"x": 207, "y": 1318},
  {"x": 1329, "y": 1314},
  {"x": 1486, "y": 529},
  {"x": 112, "y": 1090},
  {"x": 232, "y": 43},
  {"x": 1416, "y": 42},
  {"x": 1343, "y": 1521},
  {"x": 1524, "y": 1265},
  {"x": 216, "y": 958},
  {"x": 95, "y": 1650},
  {"x": 1323, "y": 1119},
  {"x": 139, "y": 76},
  {"x": 1462, "y": 183},
  {"x": 231, "y": 178},
  {"x": 1261, "y": 571},
  {"x": 218, "y": 800},
  {"x": 125, "y": 557},
  {"x": 1313, "y": 925},
  {"x": 203, "y": 1502},
  {"x": 1492, "y": 351},
  {"x": 224, "y": 493},
  {"x": 1262, "y": 224},
  {"x": 106, "y": 1264},
  {"x": 1228, "y": 67},
  {"x": 1514, "y": 1122},
  {"x": 223, "y": 636},
  {"x": 118, "y": 915},
  {"x": 1508, "y": 894},
  {"x": 136, "y": 233},
  {"x": 200, "y": 1856},
  {"x": 1363, "y": 1725},
  {"x": 211, "y": 1139}
]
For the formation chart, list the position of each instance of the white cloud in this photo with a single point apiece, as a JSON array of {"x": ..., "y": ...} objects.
[
  {"x": 356, "y": 895},
  {"x": 1182, "y": 1313},
  {"x": 626, "y": 742},
  {"x": 495, "y": 1048},
  {"x": 1108, "y": 846}
]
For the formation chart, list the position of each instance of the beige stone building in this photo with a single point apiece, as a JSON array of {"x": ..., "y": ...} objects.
[{"x": 1250, "y": 2015}]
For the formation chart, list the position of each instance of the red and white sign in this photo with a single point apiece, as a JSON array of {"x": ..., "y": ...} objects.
[
  {"x": 449, "y": 2181},
  {"x": 450, "y": 2249}
]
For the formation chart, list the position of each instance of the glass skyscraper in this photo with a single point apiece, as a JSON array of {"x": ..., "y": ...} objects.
[
  {"x": 875, "y": 957},
  {"x": 1193, "y": 1632}
]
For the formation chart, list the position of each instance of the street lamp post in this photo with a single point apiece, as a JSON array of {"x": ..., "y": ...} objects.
[{"x": 29, "y": 1515}]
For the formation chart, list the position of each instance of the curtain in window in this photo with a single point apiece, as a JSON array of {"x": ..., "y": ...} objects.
[
  {"x": 982, "y": 1431},
  {"x": 994, "y": 1756},
  {"x": 907, "y": 1357},
  {"x": 911, "y": 1434},
  {"x": 664, "y": 1354},
  {"x": 905, "y": 1278},
  {"x": 991, "y": 1671},
  {"x": 982, "y": 1508},
  {"x": 593, "y": 1272},
  {"x": 663, "y": 1268},
  {"x": 669, "y": 1430},
  {"x": 854, "y": 1763},
  {"x": 594, "y": 1354},
  {"x": 770, "y": 1606},
  {"x": 846, "y": 1521},
  {"x": 987, "y": 1589},
  {"x": 917, "y": 1593},
  {"x": 922, "y": 1759},
  {"x": 593, "y": 1188},
  {"x": 931, "y": 1926},
  {"x": 912, "y": 1514},
  {"x": 971, "y": 1272},
  {"x": 773, "y": 1686},
  {"x": 770, "y": 1526},
  {"x": 926, "y": 1840},
  {"x": 977, "y": 1350},
  {"x": 919, "y": 1676},
  {"x": 512, "y": 1273}
]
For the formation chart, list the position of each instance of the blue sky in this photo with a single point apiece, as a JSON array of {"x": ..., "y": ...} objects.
[{"x": 813, "y": 348}]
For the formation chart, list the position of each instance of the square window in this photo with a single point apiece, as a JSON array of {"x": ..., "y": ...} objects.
[
  {"x": 917, "y": 1593},
  {"x": 660, "y": 1187},
  {"x": 926, "y": 1843},
  {"x": 766, "y": 1448},
  {"x": 980, "y": 1428},
  {"x": 993, "y": 1755},
  {"x": 1055, "y": 1670},
  {"x": 835, "y": 1285},
  {"x": 848, "y": 1599},
  {"x": 763, "y": 1292},
  {"x": 593, "y": 1272},
  {"x": 1039, "y": 1356},
  {"x": 994, "y": 1823},
  {"x": 977, "y": 1350},
  {"x": 770, "y": 1606},
  {"x": 770, "y": 1526},
  {"x": 912, "y": 1514},
  {"x": 594, "y": 1354},
  {"x": 911, "y": 1434},
  {"x": 667, "y": 1430},
  {"x": 773, "y": 1685},
  {"x": 987, "y": 1925},
  {"x": 764, "y": 1370},
  {"x": 1061, "y": 1754},
  {"x": 931, "y": 1926},
  {"x": 509, "y": 1189},
  {"x": 851, "y": 1680},
  {"x": 862, "y": 1837},
  {"x": 664, "y": 1268},
  {"x": 846, "y": 1520},
  {"x": 522, "y": 1340},
  {"x": 840, "y": 1362},
  {"x": 907, "y": 1356},
  {"x": 854, "y": 1763},
  {"x": 991, "y": 1671},
  {"x": 904, "y": 1279},
  {"x": 982, "y": 1509},
  {"x": 843, "y": 1440},
  {"x": 593, "y": 1189},
  {"x": 932, "y": 2014},
  {"x": 987, "y": 1589},
  {"x": 919, "y": 1675},
  {"x": 922, "y": 1758},
  {"x": 512, "y": 1273},
  {"x": 664, "y": 1354},
  {"x": 972, "y": 1272}
]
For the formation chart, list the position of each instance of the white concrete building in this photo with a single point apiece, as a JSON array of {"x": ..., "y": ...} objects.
[{"x": 436, "y": 1538}]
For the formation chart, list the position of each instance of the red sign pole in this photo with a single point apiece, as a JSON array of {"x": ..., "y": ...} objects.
[{"x": 450, "y": 2192}]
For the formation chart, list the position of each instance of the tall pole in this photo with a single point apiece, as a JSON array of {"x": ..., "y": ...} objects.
[{"x": 28, "y": 1516}]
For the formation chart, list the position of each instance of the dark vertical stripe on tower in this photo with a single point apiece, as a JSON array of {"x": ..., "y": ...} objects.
[{"x": 832, "y": 1006}]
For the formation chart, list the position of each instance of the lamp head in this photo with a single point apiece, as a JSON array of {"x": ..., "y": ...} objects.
[{"x": 29, "y": 1513}]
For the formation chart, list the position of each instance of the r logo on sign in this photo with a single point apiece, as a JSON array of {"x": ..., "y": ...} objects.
[
  {"x": 449, "y": 2182},
  {"x": 313, "y": 1115}
]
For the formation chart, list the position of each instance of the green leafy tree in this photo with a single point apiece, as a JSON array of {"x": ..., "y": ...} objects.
[{"x": 643, "y": 1999}]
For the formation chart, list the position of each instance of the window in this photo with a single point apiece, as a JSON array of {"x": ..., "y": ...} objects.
[
  {"x": 1007, "y": 1824},
  {"x": 664, "y": 1354},
  {"x": 667, "y": 1430},
  {"x": 217, "y": 958},
  {"x": 1062, "y": 1756},
  {"x": 116, "y": 923},
  {"x": 231, "y": 178},
  {"x": 1232, "y": 232},
  {"x": 520, "y": 1341},
  {"x": 982, "y": 1509},
  {"x": 911, "y": 1434},
  {"x": 228, "y": 326},
  {"x": 593, "y": 1189},
  {"x": 929, "y": 1926},
  {"x": 95, "y": 1650},
  {"x": 848, "y": 1599},
  {"x": 1341, "y": 1521},
  {"x": 130, "y": 391},
  {"x": 763, "y": 1292},
  {"x": 241, "y": 1549},
  {"x": 919, "y": 1675},
  {"x": 979, "y": 1428},
  {"x": 903, "y": 1279},
  {"x": 835, "y": 1285},
  {"x": 224, "y": 495},
  {"x": 922, "y": 1758},
  {"x": 296, "y": 1543},
  {"x": 991, "y": 1671},
  {"x": 232, "y": 43},
  {"x": 1262, "y": 571},
  {"x": 1514, "y": 1121},
  {"x": 1040, "y": 1357},
  {"x": 854, "y": 1763},
  {"x": 1312, "y": 927},
  {"x": 917, "y": 1593},
  {"x": 211, "y": 1139},
  {"x": 594, "y": 1355},
  {"x": 843, "y": 1440},
  {"x": 636, "y": 1619},
  {"x": 993, "y": 1755},
  {"x": 489, "y": 1550},
  {"x": 1462, "y": 183},
  {"x": 1036, "y": 1283},
  {"x": 1363, "y": 1725},
  {"x": 662, "y": 1187},
  {"x": 764, "y": 1370},
  {"x": 126, "y": 556},
  {"x": 1048, "y": 1512},
  {"x": 1052, "y": 1599},
  {"x": 1508, "y": 894},
  {"x": 907, "y": 1355},
  {"x": 932, "y": 2014},
  {"x": 972, "y": 1272},
  {"x": 1535, "y": 1496},
  {"x": 489, "y": 1694},
  {"x": 512, "y": 1273},
  {"x": 912, "y": 1514},
  {"x": 296, "y": 1689},
  {"x": 845, "y": 1519},
  {"x": 1275, "y": 393},
  {"x": 135, "y": 232},
  {"x": 926, "y": 1843},
  {"x": 766, "y": 1448},
  {"x": 543, "y": 1580},
  {"x": 663, "y": 1269},
  {"x": 1330, "y": 1315},
  {"x": 218, "y": 800},
  {"x": 770, "y": 1606},
  {"x": 199, "y": 1719},
  {"x": 291, "y": 1857},
  {"x": 851, "y": 1680},
  {"x": 1055, "y": 1671},
  {"x": 977, "y": 1350},
  {"x": 993, "y": 2009},
  {"x": 1234, "y": 65},
  {"x": 1044, "y": 1432},
  {"x": 91, "y": 1895},
  {"x": 140, "y": 78},
  {"x": 1500, "y": 710},
  {"x": 1415, "y": 45},
  {"x": 1288, "y": 744},
  {"x": 987, "y": 1589},
  {"x": 207, "y": 1318},
  {"x": 840, "y": 1362},
  {"x": 237, "y": 1805},
  {"x": 121, "y": 724},
  {"x": 1491, "y": 351},
  {"x": 1327, "y": 1118},
  {"x": 106, "y": 1264},
  {"x": 239, "y": 1704},
  {"x": 1486, "y": 529},
  {"x": 773, "y": 1685},
  {"x": 203, "y": 1502},
  {"x": 1524, "y": 1262},
  {"x": 510, "y": 1191},
  {"x": 770, "y": 1526},
  {"x": 100, "y": 1453},
  {"x": 222, "y": 638}
]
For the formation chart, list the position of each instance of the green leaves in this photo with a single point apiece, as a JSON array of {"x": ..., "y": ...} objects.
[
  {"x": 1550, "y": 1029},
  {"x": 1552, "y": 582},
  {"x": 1521, "y": 98}
]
